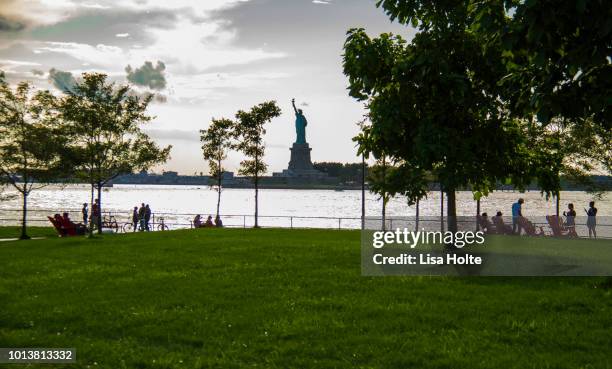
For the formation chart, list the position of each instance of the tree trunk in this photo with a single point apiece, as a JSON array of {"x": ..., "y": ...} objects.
[
  {"x": 416, "y": 226},
  {"x": 24, "y": 213},
  {"x": 99, "y": 207},
  {"x": 384, "y": 194},
  {"x": 91, "y": 207},
  {"x": 558, "y": 202},
  {"x": 219, "y": 188},
  {"x": 477, "y": 214},
  {"x": 363, "y": 168},
  {"x": 256, "y": 191},
  {"x": 384, "y": 213},
  {"x": 451, "y": 211},
  {"x": 256, "y": 200},
  {"x": 441, "y": 209}
]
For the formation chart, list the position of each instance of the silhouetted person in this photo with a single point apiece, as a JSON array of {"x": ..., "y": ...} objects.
[
  {"x": 517, "y": 211},
  {"x": 209, "y": 222},
  {"x": 591, "y": 219},
  {"x": 95, "y": 214},
  {"x": 68, "y": 225},
  {"x": 85, "y": 212},
  {"x": 147, "y": 216},
  {"x": 135, "y": 218},
  {"x": 197, "y": 221},
  {"x": 570, "y": 215},
  {"x": 218, "y": 222},
  {"x": 141, "y": 217},
  {"x": 59, "y": 224}
]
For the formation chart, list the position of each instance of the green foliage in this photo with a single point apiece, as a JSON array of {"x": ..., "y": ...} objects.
[
  {"x": 31, "y": 145},
  {"x": 433, "y": 103},
  {"x": 103, "y": 121},
  {"x": 103, "y": 125},
  {"x": 348, "y": 172},
  {"x": 557, "y": 56},
  {"x": 249, "y": 132},
  {"x": 216, "y": 141}
]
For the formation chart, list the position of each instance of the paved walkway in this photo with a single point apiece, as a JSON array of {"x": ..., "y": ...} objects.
[{"x": 17, "y": 239}]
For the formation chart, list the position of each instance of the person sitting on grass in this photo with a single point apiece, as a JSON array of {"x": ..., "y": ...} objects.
[
  {"x": 485, "y": 224},
  {"x": 197, "y": 221},
  {"x": 502, "y": 228},
  {"x": 218, "y": 222},
  {"x": 209, "y": 222}
]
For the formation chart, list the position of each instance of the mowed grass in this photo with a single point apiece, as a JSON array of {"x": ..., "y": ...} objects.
[
  {"x": 284, "y": 299},
  {"x": 15, "y": 232}
]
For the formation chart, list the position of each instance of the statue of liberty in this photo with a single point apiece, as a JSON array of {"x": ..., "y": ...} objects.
[{"x": 300, "y": 124}]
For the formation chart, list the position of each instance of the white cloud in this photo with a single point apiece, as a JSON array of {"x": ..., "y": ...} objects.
[{"x": 122, "y": 35}]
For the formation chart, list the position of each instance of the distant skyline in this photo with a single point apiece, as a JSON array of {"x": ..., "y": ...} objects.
[{"x": 206, "y": 59}]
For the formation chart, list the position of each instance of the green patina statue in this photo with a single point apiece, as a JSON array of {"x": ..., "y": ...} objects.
[{"x": 300, "y": 125}]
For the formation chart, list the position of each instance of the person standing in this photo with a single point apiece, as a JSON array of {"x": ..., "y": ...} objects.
[
  {"x": 95, "y": 214},
  {"x": 517, "y": 211},
  {"x": 591, "y": 219},
  {"x": 135, "y": 218},
  {"x": 85, "y": 213},
  {"x": 141, "y": 217},
  {"x": 147, "y": 215},
  {"x": 570, "y": 219}
]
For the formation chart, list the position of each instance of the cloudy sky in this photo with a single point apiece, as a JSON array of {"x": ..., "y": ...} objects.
[{"x": 204, "y": 59}]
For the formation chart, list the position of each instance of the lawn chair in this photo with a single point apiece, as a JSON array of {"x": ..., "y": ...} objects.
[
  {"x": 529, "y": 228},
  {"x": 558, "y": 230},
  {"x": 57, "y": 226}
]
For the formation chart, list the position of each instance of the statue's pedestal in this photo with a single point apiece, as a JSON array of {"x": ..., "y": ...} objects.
[
  {"x": 300, "y": 165},
  {"x": 300, "y": 157}
]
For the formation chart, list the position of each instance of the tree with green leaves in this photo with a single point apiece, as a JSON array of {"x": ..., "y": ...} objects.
[
  {"x": 103, "y": 121},
  {"x": 31, "y": 145},
  {"x": 249, "y": 132},
  {"x": 556, "y": 54},
  {"x": 429, "y": 105},
  {"x": 216, "y": 141}
]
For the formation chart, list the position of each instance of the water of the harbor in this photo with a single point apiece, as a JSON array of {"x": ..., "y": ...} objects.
[{"x": 279, "y": 208}]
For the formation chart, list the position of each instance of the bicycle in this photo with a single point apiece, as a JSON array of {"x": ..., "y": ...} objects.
[
  {"x": 162, "y": 226},
  {"x": 128, "y": 227},
  {"x": 110, "y": 222}
]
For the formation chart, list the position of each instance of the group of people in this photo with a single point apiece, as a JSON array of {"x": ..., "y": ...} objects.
[
  {"x": 141, "y": 217},
  {"x": 95, "y": 214},
  {"x": 66, "y": 227},
  {"x": 197, "y": 222},
  {"x": 518, "y": 221}
]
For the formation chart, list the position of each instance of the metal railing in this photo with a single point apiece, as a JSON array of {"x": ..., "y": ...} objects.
[{"x": 166, "y": 220}]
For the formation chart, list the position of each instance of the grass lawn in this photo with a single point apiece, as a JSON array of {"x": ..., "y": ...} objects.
[
  {"x": 272, "y": 298},
  {"x": 15, "y": 232}
]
